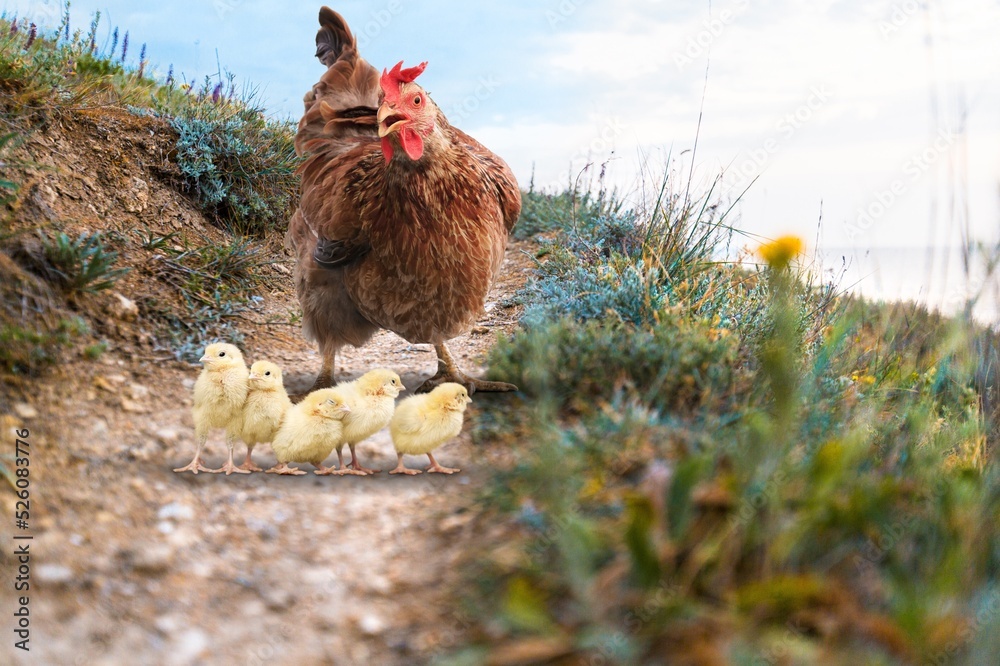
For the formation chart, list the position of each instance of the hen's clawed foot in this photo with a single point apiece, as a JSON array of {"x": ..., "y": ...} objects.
[
  {"x": 448, "y": 371},
  {"x": 194, "y": 467}
]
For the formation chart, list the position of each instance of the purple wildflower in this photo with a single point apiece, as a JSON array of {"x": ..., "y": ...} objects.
[
  {"x": 125, "y": 46},
  {"x": 32, "y": 33},
  {"x": 170, "y": 75},
  {"x": 142, "y": 59},
  {"x": 217, "y": 93},
  {"x": 114, "y": 41},
  {"x": 13, "y": 27}
]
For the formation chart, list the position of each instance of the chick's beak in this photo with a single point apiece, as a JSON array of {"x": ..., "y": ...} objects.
[
  {"x": 253, "y": 376},
  {"x": 204, "y": 359},
  {"x": 345, "y": 409},
  {"x": 389, "y": 120}
]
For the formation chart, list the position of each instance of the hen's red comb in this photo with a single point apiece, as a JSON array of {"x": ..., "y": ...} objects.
[{"x": 392, "y": 80}]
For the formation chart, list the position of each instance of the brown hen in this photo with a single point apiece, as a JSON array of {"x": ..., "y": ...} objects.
[{"x": 403, "y": 219}]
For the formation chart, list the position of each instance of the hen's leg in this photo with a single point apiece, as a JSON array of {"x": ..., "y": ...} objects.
[
  {"x": 325, "y": 377},
  {"x": 448, "y": 371}
]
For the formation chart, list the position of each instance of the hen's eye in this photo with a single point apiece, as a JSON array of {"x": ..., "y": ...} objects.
[{"x": 417, "y": 100}]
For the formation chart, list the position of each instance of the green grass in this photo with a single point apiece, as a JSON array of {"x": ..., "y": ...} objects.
[
  {"x": 82, "y": 264},
  {"x": 711, "y": 460}
]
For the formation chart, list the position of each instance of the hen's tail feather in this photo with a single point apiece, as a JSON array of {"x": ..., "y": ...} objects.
[
  {"x": 333, "y": 37},
  {"x": 344, "y": 103}
]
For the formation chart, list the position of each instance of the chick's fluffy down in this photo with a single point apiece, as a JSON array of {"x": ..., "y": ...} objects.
[
  {"x": 422, "y": 423},
  {"x": 372, "y": 399},
  {"x": 311, "y": 429},
  {"x": 221, "y": 388},
  {"x": 265, "y": 406}
]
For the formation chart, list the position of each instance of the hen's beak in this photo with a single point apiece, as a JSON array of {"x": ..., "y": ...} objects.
[{"x": 389, "y": 120}]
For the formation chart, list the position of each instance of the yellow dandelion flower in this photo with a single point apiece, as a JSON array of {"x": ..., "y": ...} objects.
[{"x": 779, "y": 253}]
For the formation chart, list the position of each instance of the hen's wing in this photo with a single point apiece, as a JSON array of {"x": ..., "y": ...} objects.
[
  {"x": 338, "y": 128},
  {"x": 499, "y": 175}
]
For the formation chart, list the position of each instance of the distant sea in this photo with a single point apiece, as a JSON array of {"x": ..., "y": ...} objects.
[{"x": 937, "y": 278}]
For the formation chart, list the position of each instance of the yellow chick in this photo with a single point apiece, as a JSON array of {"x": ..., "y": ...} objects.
[
  {"x": 424, "y": 422},
  {"x": 310, "y": 431},
  {"x": 219, "y": 394},
  {"x": 372, "y": 399},
  {"x": 263, "y": 410}
]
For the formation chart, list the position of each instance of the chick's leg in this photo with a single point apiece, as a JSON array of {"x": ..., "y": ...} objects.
[
  {"x": 403, "y": 469},
  {"x": 248, "y": 464},
  {"x": 355, "y": 465},
  {"x": 341, "y": 468},
  {"x": 435, "y": 468},
  {"x": 448, "y": 371},
  {"x": 196, "y": 464},
  {"x": 230, "y": 467}
]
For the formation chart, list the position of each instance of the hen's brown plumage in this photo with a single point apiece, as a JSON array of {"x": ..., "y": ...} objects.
[{"x": 411, "y": 246}]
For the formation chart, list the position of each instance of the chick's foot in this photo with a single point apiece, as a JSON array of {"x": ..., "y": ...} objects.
[
  {"x": 401, "y": 469},
  {"x": 436, "y": 468},
  {"x": 194, "y": 467},
  {"x": 249, "y": 466},
  {"x": 448, "y": 371},
  {"x": 284, "y": 469},
  {"x": 229, "y": 468}
]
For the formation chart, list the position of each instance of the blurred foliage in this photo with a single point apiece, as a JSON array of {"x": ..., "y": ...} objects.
[{"x": 727, "y": 463}]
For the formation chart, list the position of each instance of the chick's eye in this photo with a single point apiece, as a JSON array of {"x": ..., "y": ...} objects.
[
  {"x": 222, "y": 353},
  {"x": 267, "y": 374}
]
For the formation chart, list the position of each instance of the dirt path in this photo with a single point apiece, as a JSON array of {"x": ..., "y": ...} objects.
[{"x": 132, "y": 563}]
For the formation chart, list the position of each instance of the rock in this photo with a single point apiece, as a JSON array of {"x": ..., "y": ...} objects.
[
  {"x": 166, "y": 436},
  {"x": 103, "y": 384},
  {"x": 123, "y": 308},
  {"x": 155, "y": 559},
  {"x": 187, "y": 383},
  {"x": 188, "y": 647},
  {"x": 277, "y": 599},
  {"x": 133, "y": 407},
  {"x": 176, "y": 511},
  {"x": 371, "y": 624},
  {"x": 167, "y": 624},
  {"x": 25, "y": 411},
  {"x": 455, "y": 522},
  {"x": 138, "y": 391},
  {"x": 137, "y": 198},
  {"x": 54, "y": 574},
  {"x": 480, "y": 330}
]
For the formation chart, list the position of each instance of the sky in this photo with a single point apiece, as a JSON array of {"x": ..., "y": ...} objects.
[{"x": 859, "y": 125}]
